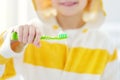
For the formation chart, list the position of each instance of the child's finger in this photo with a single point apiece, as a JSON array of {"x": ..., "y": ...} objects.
[
  {"x": 20, "y": 33},
  {"x": 37, "y": 37},
  {"x": 31, "y": 34},
  {"x": 25, "y": 33}
]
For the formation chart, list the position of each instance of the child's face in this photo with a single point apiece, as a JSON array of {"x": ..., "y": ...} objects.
[{"x": 69, "y": 7}]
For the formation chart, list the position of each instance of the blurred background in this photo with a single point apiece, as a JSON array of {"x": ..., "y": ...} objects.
[{"x": 14, "y": 12}]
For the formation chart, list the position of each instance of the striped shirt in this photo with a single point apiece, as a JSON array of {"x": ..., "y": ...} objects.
[{"x": 87, "y": 54}]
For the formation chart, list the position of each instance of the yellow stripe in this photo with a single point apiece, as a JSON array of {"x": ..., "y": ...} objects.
[
  {"x": 102, "y": 7},
  {"x": 78, "y": 60},
  {"x": 49, "y": 55},
  {"x": 2, "y": 79},
  {"x": 83, "y": 60},
  {"x": 35, "y": 7},
  {"x": 114, "y": 56},
  {"x": 9, "y": 70},
  {"x": 3, "y": 60},
  {"x": 1, "y": 41},
  {"x": 1, "y": 38}
]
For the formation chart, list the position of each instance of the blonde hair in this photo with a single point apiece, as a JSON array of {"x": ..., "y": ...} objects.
[{"x": 94, "y": 7}]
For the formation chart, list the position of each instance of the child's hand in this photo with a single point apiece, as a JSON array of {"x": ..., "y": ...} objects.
[{"x": 28, "y": 34}]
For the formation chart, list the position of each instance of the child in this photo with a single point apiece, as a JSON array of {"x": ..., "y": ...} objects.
[{"x": 87, "y": 53}]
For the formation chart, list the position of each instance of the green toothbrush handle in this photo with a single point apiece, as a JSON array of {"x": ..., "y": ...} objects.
[{"x": 14, "y": 36}]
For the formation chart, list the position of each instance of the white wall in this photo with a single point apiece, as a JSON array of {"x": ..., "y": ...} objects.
[
  {"x": 113, "y": 10},
  {"x": 8, "y": 13}
]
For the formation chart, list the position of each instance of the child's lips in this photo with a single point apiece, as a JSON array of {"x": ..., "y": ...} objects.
[{"x": 68, "y": 4}]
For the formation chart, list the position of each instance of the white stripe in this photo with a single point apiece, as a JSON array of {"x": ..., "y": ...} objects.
[
  {"x": 5, "y": 49},
  {"x": 17, "y": 77},
  {"x": 74, "y": 76},
  {"x": 2, "y": 68},
  {"x": 112, "y": 71},
  {"x": 30, "y": 72},
  {"x": 94, "y": 39}
]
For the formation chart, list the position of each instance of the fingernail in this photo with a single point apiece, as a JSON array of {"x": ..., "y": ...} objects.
[{"x": 38, "y": 45}]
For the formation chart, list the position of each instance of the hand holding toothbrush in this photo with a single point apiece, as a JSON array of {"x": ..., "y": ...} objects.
[
  {"x": 26, "y": 34},
  {"x": 31, "y": 34}
]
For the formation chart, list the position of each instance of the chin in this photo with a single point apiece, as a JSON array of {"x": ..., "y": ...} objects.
[{"x": 68, "y": 13}]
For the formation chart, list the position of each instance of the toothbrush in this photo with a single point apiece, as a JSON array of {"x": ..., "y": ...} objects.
[{"x": 61, "y": 36}]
